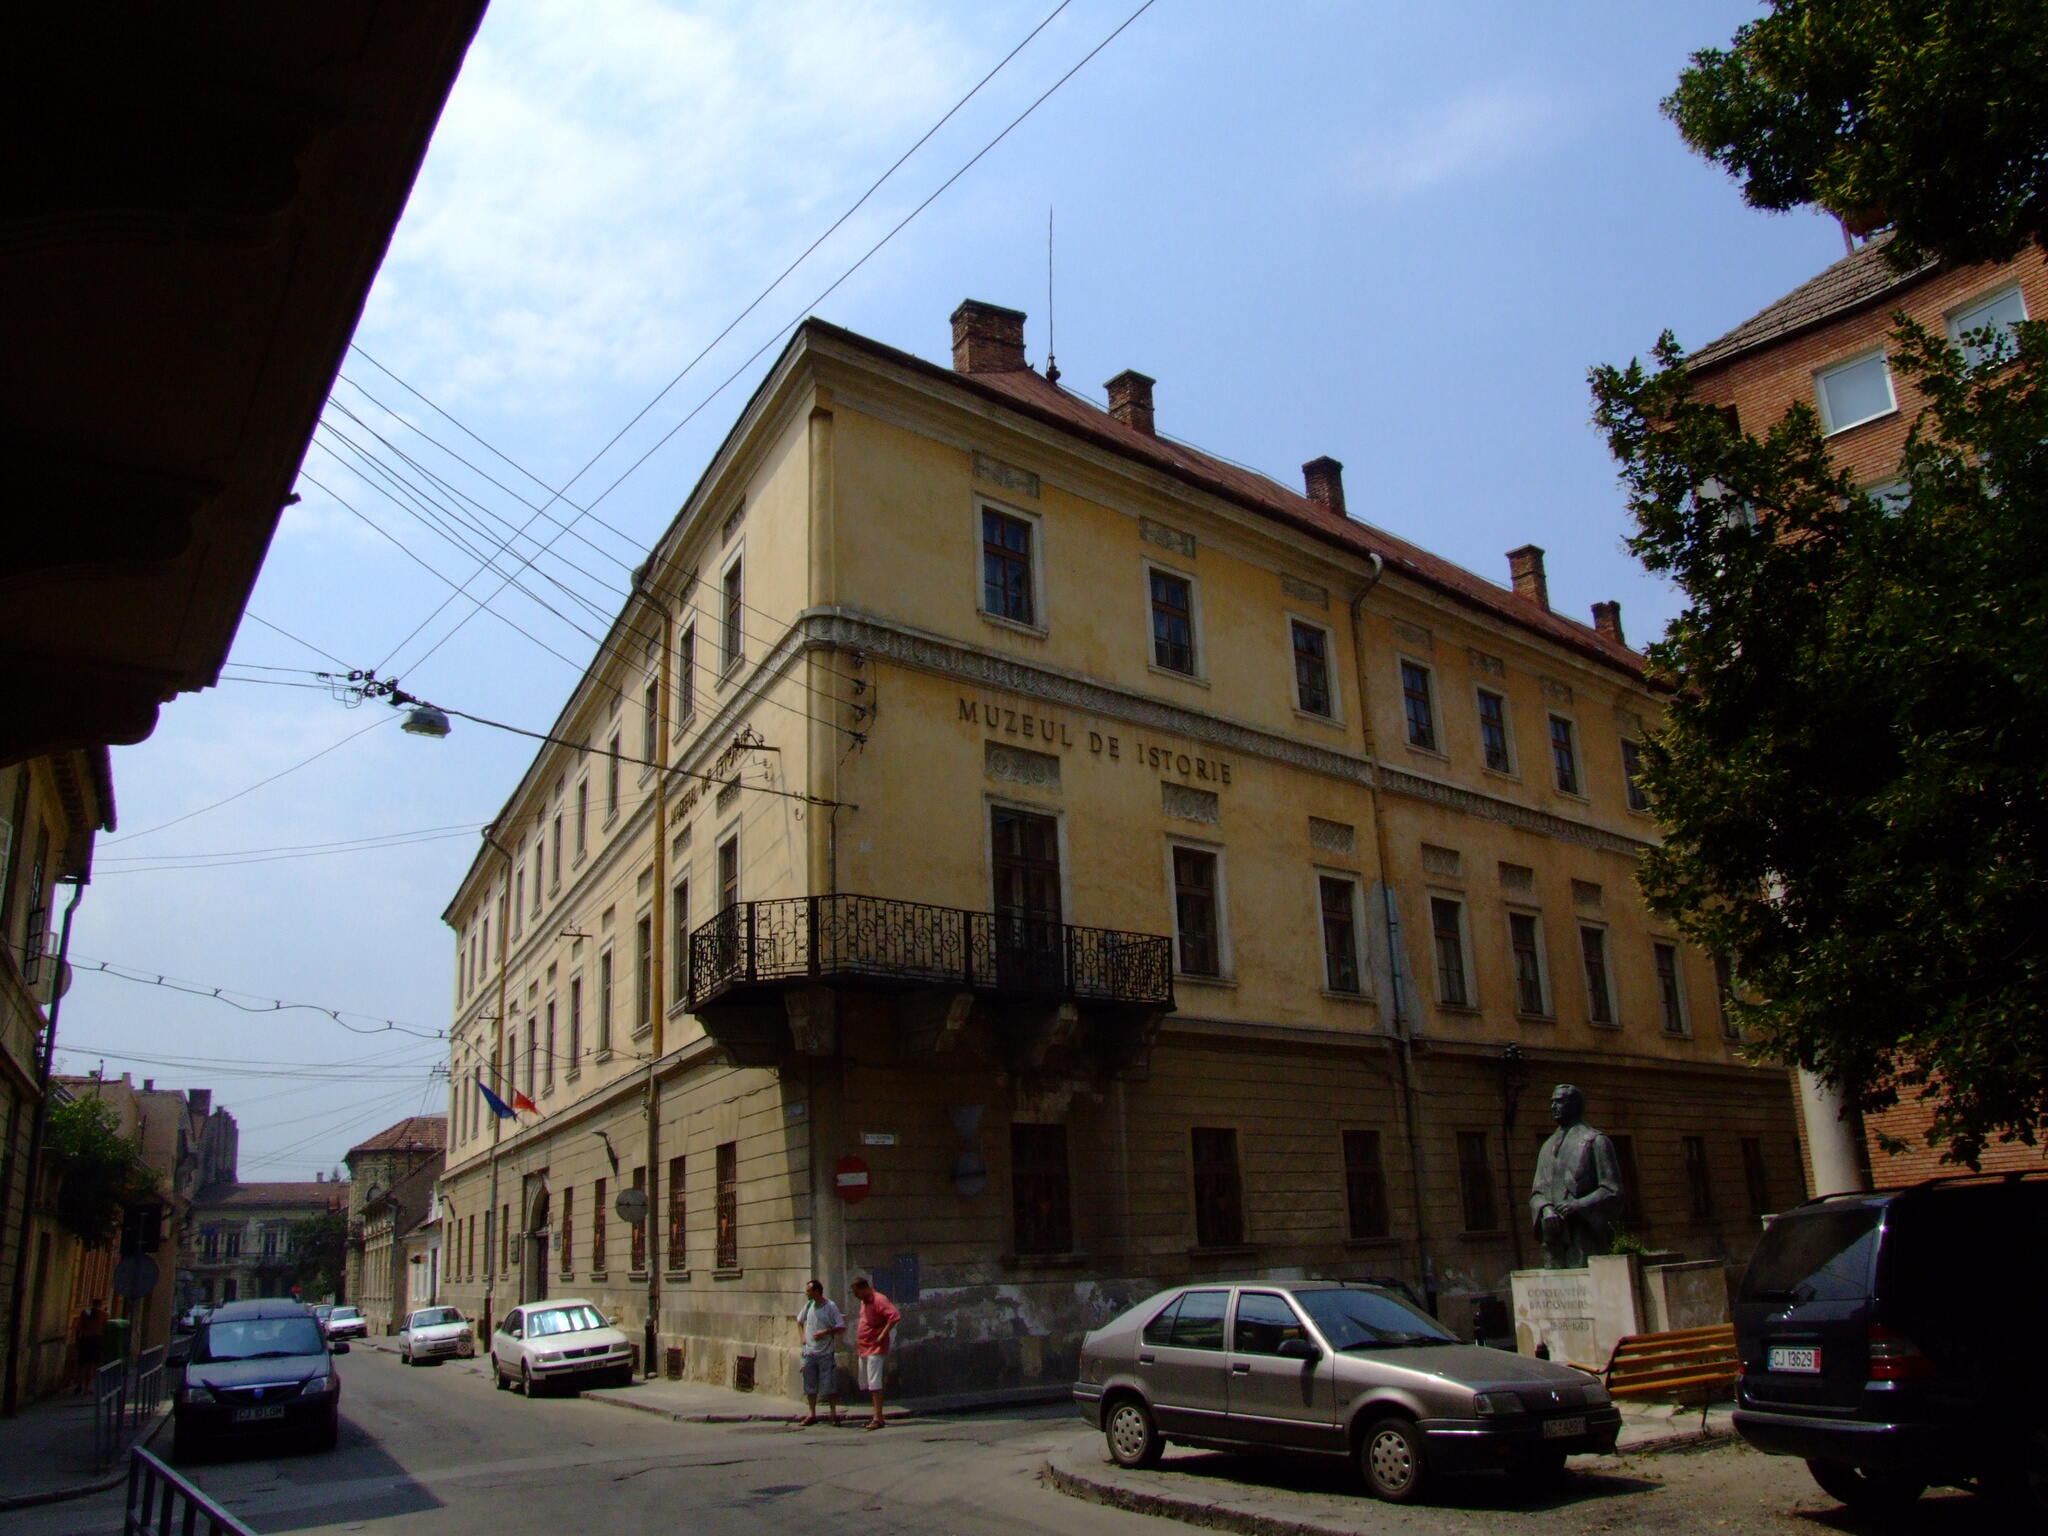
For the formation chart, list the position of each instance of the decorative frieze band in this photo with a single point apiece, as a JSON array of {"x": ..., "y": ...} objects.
[
  {"x": 1167, "y": 537},
  {"x": 1394, "y": 781}
]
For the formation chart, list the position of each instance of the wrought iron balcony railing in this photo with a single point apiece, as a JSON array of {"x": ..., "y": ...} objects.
[{"x": 753, "y": 944}]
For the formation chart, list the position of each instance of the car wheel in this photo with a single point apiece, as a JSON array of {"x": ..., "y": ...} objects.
[
  {"x": 1391, "y": 1461},
  {"x": 404, "y": 1358},
  {"x": 526, "y": 1377},
  {"x": 498, "y": 1377},
  {"x": 1862, "y": 1490},
  {"x": 1132, "y": 1436}
]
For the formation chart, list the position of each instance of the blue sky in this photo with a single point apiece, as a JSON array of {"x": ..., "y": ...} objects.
[{"x": 1399, "y": 235}]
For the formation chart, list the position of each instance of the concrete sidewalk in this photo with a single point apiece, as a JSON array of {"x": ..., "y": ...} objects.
[{"x": 46, "y": 1452}]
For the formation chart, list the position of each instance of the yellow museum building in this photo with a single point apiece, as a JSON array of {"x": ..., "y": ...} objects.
[{"x": 1009, "y": 853}]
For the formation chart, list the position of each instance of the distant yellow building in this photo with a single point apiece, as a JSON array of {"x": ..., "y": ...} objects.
[{"x": 1007, "y": 852}]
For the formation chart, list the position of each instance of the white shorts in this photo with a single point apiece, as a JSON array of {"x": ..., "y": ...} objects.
[{"x": 870, "y": 1369}]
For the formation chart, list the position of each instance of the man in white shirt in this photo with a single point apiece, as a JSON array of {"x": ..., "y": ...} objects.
[{"x": 820, "y": 1326}]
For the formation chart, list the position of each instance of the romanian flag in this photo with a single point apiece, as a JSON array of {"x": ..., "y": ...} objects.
[
  {"x": 522, "y": 1103},
  {"x": 498, "y": 1106}
]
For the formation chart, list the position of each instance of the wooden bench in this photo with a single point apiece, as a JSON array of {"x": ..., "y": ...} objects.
[{"x": 1686, "y": 1365}]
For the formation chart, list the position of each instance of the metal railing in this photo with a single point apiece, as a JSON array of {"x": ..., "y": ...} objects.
[
  {"x": 146, "y": 1387},
  {"x": 835, "y": 938},
  {"x": 161, "y": 1503},
  {"x": 109, "y": 1411}
]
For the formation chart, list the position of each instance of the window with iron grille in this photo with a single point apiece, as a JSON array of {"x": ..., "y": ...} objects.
[
  {"x": 1219, "y": 1189},
  {"x": 1475, "y": 1182},
  {"x": 1195, "y": 909},
  {"x": 1631, "y": 1184},
  {"x": 1632, "y": 775},
  {"x": 1697, "y": 1182},
  {"x": 1525, "y": 942},
  {"x": 1599, "y": 992},
  {"x": 728, "y": 1205},
  {"x": 1668, "y": 994},
  {"x": 1173, "y": 622},
  {"x": 1006, "y": 567},
  {"x": 734, "y": 641},
  {"x": 568, "y": 1237},
  {"x": 1416, "y": 706},
  {"x": 1493, "y": 731},
  {"x": 598, "y": 1212},
  {"x": 639, "y": 1228},
  {"x": 1339, "y": 900},
  {"x": 1754, "y": 1180},
  {"x": 1365, "y": 1184},
  {"x": 678, "y": 1214},
  {"x": 1447, "y": 930},
  {"x": 1312, "y": 669},
  {"x": 1564, "y": 755},
  {"x": 1041, "y": 1198}
]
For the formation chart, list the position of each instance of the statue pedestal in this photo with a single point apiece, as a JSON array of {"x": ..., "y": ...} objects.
[{"x": 1579, "y": 1313}]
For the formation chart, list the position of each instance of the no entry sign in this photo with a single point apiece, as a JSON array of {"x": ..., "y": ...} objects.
[{"x": 850, "y": 1178}]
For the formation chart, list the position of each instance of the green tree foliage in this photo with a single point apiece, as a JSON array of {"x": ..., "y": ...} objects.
[
  {"x": 320, "y": 1247},
  {"x": 103, "y": 1170},
  {"x": 1923, "y": 114},
  {"x": 1854, "y": 773}
]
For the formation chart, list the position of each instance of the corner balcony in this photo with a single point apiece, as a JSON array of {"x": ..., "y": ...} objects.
[{"x": 768, "y": 978}]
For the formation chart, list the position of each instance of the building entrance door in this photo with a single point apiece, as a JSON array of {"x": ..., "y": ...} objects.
[{"x": 1025, "y": 852}]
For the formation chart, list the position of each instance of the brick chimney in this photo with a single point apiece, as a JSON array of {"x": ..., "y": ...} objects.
[
  {"x": 1325, "y": 480},
  {"x": 987, "y": 338},
  {"x": 1525, "y": 567},
  {"x": 1607, "y": 620},
  {"x": 1130, "y": 400}
]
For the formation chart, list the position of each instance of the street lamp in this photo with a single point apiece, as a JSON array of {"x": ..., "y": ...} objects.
[{"x": 425, "y": 720}]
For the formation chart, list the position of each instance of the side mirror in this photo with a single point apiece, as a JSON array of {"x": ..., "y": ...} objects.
[
  {"x": 1299, "y": 1349},
  {"x": 338, "y": 1347}
]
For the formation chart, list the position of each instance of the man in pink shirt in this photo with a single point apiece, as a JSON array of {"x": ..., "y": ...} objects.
[{"x": 878, "y": 1320}]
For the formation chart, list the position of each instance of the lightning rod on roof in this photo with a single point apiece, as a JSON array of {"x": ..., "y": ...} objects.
[{"x": 1052, "y": 367}]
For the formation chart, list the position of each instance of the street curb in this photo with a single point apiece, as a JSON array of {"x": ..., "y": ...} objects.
[
  {"x": 111, "y": 1480},
  {"x": 1079, "y": 1485},
  {"x": 779, "y": 1415}
]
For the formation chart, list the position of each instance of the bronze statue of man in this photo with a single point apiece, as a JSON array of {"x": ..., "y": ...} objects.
[{"x": 1577, "y": 1189}]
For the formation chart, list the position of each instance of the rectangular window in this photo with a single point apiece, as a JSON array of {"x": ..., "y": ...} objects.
[
  {"x": 729, "y": 872},
  {"x": 1493, "y": 731},
  {"x": 598, "y": 1207},
  {"x": 1697, "y": 1183},
  {"x": 575, "y": 1023},
  {"x": 1854, "y": 392},
  {"x": 547, "y": 1060},
  {"x": 733, "y": 641},
  {"x": 1599, "y": 991},
  {"x": 1312, "y": 669},
  {"x": 1668, "y": 993},
  {"x": 1173, "y": 622},
  {"x": 1219, "y": 1189},
  {"x": 555, "y": 851},
  {"x": 1196, "y": 916},
  {"x": 1631, "y": 1185},
  {"x": 1417, "y": 707},
  {"x": 540, "y": 860},
  {"x": 1754, "y": 1181},
  {"x": 639, "y": 1228},
  {"x": 1447, "y": 930},
  {"x": 1475, "y": 1182},
  {"x": 234, "y": 1245},
  {"x": 650, "y": 724},
  {"x": 604, "y": 1001},
  {"x": 1526, "y": 944},
  {"x": 532, "y": 1051},
  {"x": 582, "y": 817},
  {"x": 1632, "y": 774},
  {"x": 567, "y": 1239},
  {"x": 1339, "y": 899},
  {"x": 519, "y": 897},
  {"x": 505, "y": 1238},
  {"x": 1564, "y": 755},
  {"x": 1996, "y": 312},
  {"x": 1006, "y": 585},
  {"x": 686, "y": 676},
  {"x": 728, "y": 1205},
  {"x": 678, "y": 1215},
  {"x": 1040, "y": 1195},
  {"x": 1365, "y": 1184},
  {"x": 679, "y": 928},
  {"x": 1724, "y": 997},
  {"x": 611, "y": 778},
  {"x": 643, "y": 974}
]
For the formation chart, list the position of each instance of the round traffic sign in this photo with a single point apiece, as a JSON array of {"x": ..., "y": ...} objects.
[
  {"x": 850, "y": 1178},
  {"x": 135, "y": 1276},
  {"x": 631, "y": 1206}
]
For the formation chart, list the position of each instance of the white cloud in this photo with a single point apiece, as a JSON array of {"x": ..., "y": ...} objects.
[{"x": 1464, "y": 136}]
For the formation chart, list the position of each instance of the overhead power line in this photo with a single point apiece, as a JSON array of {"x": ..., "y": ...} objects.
[{"x": 257, "y": 1003}]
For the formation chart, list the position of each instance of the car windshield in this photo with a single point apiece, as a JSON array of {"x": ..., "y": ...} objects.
[
  {"x": 434, "y": 1317},
  {"x": 1821, "y": 1255},
  {"x": 562, "y": 1320},
  {"x": 344, "y": 1314},
  {"x": 263, "y": 1338},
  {"x": 1362, "y": 1319}
]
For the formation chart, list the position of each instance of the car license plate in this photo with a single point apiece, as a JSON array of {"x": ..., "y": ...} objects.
[
  {"x": 1563, "y": 1429},
  {"x": 251, "y": 1415},
  {"x": 1796, "y": 1362}
]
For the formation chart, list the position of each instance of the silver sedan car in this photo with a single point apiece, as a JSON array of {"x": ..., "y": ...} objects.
[{"x": 1341, "y": 1370}]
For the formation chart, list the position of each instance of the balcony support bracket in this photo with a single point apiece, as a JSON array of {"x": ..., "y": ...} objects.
[
  {"x": 932, "y": 1023},
  {"x": 813, "y": 1019}
]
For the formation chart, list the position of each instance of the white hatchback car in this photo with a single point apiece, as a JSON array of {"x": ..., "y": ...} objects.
[
  {"x": 566, "y": 1340},
  {"x": 434, "y": 1334}
]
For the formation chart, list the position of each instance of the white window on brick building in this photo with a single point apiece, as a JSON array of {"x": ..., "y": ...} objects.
[
  {"x": 1854, "y": 392},
  {"x": 1995, "y": 313}
]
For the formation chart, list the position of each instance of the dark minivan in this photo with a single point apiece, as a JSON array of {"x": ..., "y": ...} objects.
[
  {"x": 258, "y": 1369},
  {"x": 1893, "y": 1339}
]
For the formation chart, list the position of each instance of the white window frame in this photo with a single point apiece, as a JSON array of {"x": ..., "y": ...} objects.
[
  {"x": 1465, "y": 951},
  {"x": 1951, "y": 320},
  {"x": 1034, "y": 522},
  {"x": 1684, "y": 1030},
  {"x": 1226, "y": 964},
  {"x": 1436, "y": 710},
  {"x": 1548, "y": 999},
  {"x": 1361, "y": 956},
  {"x": 1336, "y": 715},
  {"x": 1507, "y": 724},
  {"x": 1198, "y": 639},
  {"x": 1820, "y": 395}
]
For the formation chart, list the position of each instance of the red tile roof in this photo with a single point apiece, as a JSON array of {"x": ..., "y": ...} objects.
[
  {"x": 429, "y": 1131},
  {"x": 1027, "y": 391},
  {"x": 232, "y": 1196},
  {"x": 1862, "y": 277}
]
